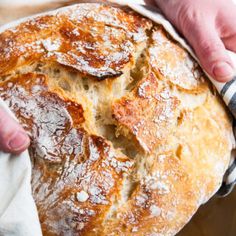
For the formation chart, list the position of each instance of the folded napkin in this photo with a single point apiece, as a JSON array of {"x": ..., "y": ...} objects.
[{"x": 18, "y": 213}]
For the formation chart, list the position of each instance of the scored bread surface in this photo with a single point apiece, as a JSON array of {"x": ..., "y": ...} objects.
[{"x": 128, "y": 136}]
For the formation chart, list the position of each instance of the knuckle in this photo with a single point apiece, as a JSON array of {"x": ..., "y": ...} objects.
[
  {"x": 210, "y": 48},
  {"x": 188, "y": 18}
]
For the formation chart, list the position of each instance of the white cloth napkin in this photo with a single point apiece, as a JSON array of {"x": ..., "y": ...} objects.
[{"x": 18, "y": 213}]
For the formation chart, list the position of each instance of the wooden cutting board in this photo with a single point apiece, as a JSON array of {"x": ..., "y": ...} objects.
[{"x": 218, "y": 216}]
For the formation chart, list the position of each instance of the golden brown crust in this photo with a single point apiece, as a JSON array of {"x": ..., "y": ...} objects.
[
  {"x": 181, "y": 70},
  {"x": 149, "y": 113},
  {"x": 75, "y": 175},
  {"x": 72, "y": 39},
  {"x": 154, "y": 206},
  {"x": 82, "y": 183}
]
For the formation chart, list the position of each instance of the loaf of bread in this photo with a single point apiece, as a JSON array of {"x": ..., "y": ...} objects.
[{"x": 128, "y": 136}]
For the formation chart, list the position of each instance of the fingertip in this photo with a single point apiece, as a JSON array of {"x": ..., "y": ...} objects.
[
  {"x": 13, "y": 138},
  {"x": 19, "y": 142},
  {"x": 212, "y": 53},
  {"x": 223, "y": 71}
]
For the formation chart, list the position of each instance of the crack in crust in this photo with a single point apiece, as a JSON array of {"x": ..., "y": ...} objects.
[
  {"x": 149, "y": 113},
  {"x": 73, "y": 39},
  {"x": 67, "y": 161}
]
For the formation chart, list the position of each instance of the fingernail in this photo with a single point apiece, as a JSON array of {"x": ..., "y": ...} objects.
[
  {"x": 223, "y": 71},
  {"x": 19, "y": 141}
]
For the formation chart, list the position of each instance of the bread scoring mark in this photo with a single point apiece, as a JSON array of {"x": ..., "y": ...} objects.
[
  {"x": 94, "y": 43},
  {"x": 46, "y": 124},
  {"x": 153, "y": 205},
  {"x": 75, "y": 174},
  {"x": 148, "y": 112}
]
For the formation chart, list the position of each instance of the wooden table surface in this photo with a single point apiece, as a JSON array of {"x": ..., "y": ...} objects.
[{"x": 218, "y": 216}]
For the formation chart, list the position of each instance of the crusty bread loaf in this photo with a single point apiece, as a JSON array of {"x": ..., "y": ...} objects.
[{"x": 128, "y": 136}]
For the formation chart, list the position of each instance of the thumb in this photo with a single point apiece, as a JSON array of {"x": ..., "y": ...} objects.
[
  {"x": 13, "y": 138},
  {"x": 211, "y": 52}
]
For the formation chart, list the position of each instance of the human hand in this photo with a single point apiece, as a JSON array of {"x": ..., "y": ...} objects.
[
  {"x": 13, "y": 138},
  {"x": 209, "y": 26}
]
